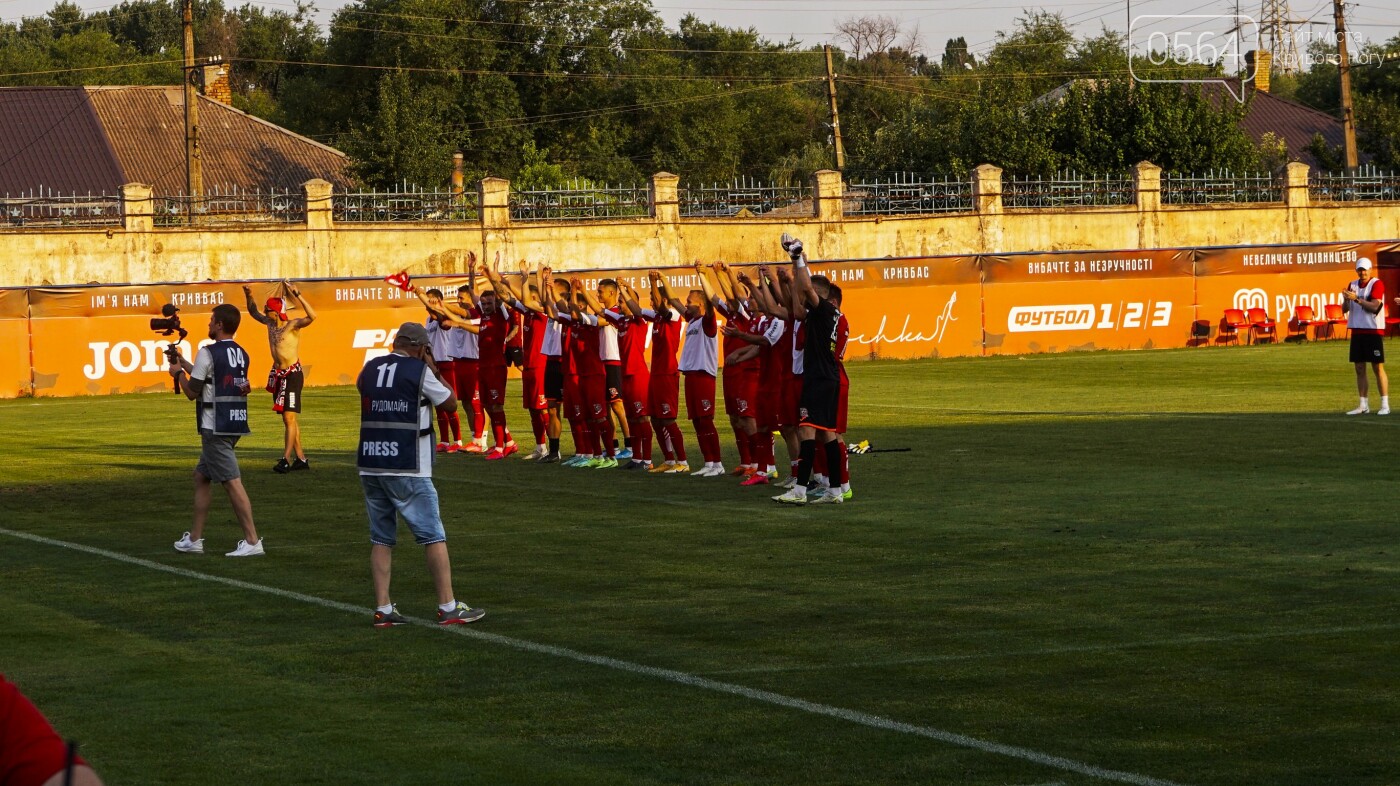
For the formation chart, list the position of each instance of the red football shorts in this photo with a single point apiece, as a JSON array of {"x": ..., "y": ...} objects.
[
  {"x": 665, "y": 396},
  {"x": 593, "y": 395},
  {"x": 740, "y": 388},
  {"x": 636, "y": 390},
  {"x": 699, "y": 395},
  {"x": 791, "y": 400},
  {"x": 841, "y": 402},
  {"x": 448, "y": 369},
  {"x": 770, "y": 403},
  {"x": 491, "y": 382},
  {"x": 573, "y": 398},
  {"x": 532, "y": 389},
  {"x": 466, "y": 372}
]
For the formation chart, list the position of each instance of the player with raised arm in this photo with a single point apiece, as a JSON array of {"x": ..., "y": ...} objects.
[
  {"x": 738, "y": 394},
  {"x": 763, "y": 347},
  {"x": 612, "y": 323},
  {"x": 664, "y": 388},
  {"x": 594, "y": 377},
  {"x": 440, "y": 346},
  {"x": 466, "y": 357},
  {"x": 558, "y": 364},
  {"x": 636, "y": 377},
  {"x": 285, "y": 380},
  {"x": 820, "y": 375},
  {"x": 534, "y": 327},
  {"x": 699, "y": 365}
]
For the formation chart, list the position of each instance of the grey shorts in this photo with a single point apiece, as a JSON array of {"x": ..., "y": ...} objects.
[{"x": 216, "y": 459}]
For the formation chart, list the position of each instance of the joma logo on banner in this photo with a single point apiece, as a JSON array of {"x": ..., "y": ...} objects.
[{"x": 127, "y": 357}]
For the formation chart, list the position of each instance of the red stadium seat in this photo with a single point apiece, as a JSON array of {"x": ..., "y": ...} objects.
[
  {"x": 1333, "y": 315},
  {"x": 1303, "y": 318},
  {"x": 1232, "y": 324},
  {"x": 1261, "y": 323}
]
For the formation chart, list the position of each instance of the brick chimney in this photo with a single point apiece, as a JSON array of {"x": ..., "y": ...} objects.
[
  {"x": 1259, "y": 63},
  {"x": 215, "y": 83}
]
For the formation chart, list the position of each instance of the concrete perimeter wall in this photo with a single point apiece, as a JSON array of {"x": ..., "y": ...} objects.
[{"x": 138, "y": 252}]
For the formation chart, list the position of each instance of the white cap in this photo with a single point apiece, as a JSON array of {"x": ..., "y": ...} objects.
[{"x": 1363, "y": 264}]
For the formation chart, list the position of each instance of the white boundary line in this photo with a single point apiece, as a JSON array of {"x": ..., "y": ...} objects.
[{"x": 668, "y": 675}]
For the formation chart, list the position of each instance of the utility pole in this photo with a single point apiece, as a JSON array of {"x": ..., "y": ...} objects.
[
  {"x": 194, "y": 172},
  {"x": 1344, "y": 65},
  {"x": 835, "y": 115}
]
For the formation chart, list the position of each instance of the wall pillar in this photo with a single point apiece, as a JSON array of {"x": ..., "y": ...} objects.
[
  {"x": 494, "y": 193},
  {"x": 828, "y": 192},
  {"x": 318, "y": 204},
  {"x": 1295, "y": 185},
  {"x": 1147, "y": 179},
  {"x": 986, "y": 189},
  {"x": 665, "y": 198},
  {"x": 137, "y": 208}
]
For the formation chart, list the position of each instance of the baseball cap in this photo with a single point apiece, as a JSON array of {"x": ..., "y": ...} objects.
[
  {"x": 275, "y": 304},
  {"x": 413, "y": 334},
  {"x": 1363, "y": 264}
]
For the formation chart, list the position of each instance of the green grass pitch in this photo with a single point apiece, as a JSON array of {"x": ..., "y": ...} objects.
[{"x": 1172, "y": 566}]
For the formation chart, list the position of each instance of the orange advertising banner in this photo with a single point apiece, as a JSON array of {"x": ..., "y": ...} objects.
[
  {"x": 1278, "y": 279},
  {"x": 14, "y": 342},
  {"x": 1087, "y": 300}
]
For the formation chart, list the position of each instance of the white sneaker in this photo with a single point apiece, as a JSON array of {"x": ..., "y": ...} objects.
[
  {"x": 797, "y": 496},
  {"x": 789, "y": 483},
  {"x": 829, "y": 497},
  {"x": 1383, "y": 411},
  {"x": 711, "y": 471},
  {"x": 188, "y": 546},
  {"x": 244, "y": 550},
  {"x": 1361, "y": 410}
]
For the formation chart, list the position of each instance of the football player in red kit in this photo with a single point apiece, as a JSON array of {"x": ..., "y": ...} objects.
[
  {"x": 740, "y": 377},
  {"x": 636, "y": 377},
  {"x": 665, "y": 385},
  {"x": 535, "y": 327},
  {"x": 699, "y": 365},
  {"x": 440, "y": 340}
]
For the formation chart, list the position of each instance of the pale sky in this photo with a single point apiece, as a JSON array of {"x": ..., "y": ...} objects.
[{"x": 814, "y": 21}]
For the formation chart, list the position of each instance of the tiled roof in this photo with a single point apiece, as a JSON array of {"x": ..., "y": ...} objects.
[
  {"x": 51, "y": 140},
  {"x": 1294, "y": 123},
  {"x": 76, "y": 140}
]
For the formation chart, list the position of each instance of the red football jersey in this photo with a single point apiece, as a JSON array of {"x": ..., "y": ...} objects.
[
  {"x": 843, "y": 331},
  {"x": 634, "y": 346},
  {"x": 665, "y": 341},
  {"x": 491, "y": 341},
  {"x": 589, "y": 364},
  {"x": 535, "y": 326}
]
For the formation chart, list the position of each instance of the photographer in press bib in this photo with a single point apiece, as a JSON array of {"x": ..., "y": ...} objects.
[
  {"x": 1365, "y": 307},
  {"x": 217, "y": 382},
  {"x": 398, "y": 393}
]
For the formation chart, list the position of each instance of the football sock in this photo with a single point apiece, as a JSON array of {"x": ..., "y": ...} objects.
[
  {"x": 744, "y": 442},
  {"x": 499, "y": 432},
  {"x": 1385, "y": 402},
  {"x": 455, "y": 422},
  {"x": 554, "y": 445},
  {"x": 663, "y": 435},
  {"x": 845, "y": 466},
  {"x": 443, "y": 428},
  {"x": 673, "y": 429},
  {"x": 834, "y": 449},
  {"x": 478, "y": 421},
  {"x": 804, "y": 462},
  {"x": 641, "y": 440},
  {"x": 605, "y": 429}
]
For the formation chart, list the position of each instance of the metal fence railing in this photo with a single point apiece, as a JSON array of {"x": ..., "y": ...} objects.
[
  {"x": 744, "y": 197},
  {"x": 908, "y": 194},
  {"x": 1220, "y": 188},
  {"x": 581, "y": 201},
  {"x": 46, "y": 209},
  {"x": 1068, "y": 189},
  {"x": 409, "y": 204},
  {"x": 1364, "y": 184},
  {"x": 230, "y": 206}
]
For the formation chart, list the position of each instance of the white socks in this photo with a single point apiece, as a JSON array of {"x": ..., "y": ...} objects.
[
  {"x": 385, "y": 609},
  {"x": 448, "y": 606}
]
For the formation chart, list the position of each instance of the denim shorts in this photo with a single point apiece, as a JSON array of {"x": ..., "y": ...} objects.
[{"x": 389, "y": 496}]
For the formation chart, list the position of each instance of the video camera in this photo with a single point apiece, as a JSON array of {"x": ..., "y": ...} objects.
[{"x": 168, "y": 324}]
